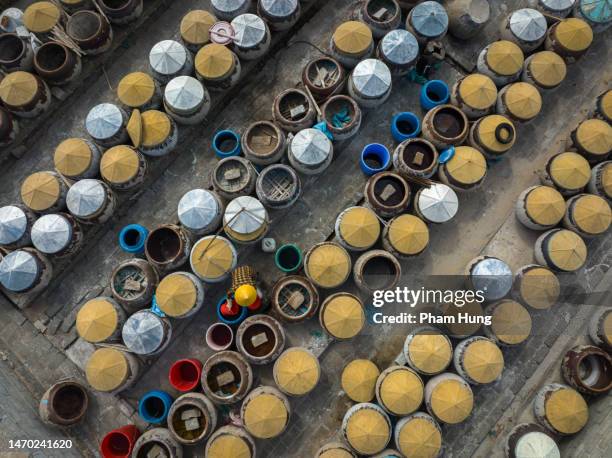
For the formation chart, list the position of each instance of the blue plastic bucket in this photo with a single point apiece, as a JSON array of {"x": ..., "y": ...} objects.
[
  {"x": 374, "y": 158},
  {"x": 288, "y": 258},
  {"x": 132, "y": 238},
  {"x": 244, "y": 311},
  {"x": 434, "y": 93},
  {"x": 405, "y": 125},
  {"x": 153, "y": 407},
  {"x": 226, "y": 143}
]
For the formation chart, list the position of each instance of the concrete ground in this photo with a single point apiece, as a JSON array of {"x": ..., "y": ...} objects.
[{"x": 39, "y": 344}]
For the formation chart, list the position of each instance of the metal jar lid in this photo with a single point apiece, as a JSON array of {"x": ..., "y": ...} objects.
[
  {"x": 279, "y": 8},
  {"x": 429, "y": 19},
  {"x": 143, "y": 332},
  {"x": 197, "y": 209},
  {"x": 399, "y": 47},
  {"x": 557, "y": 5},
  {"x": 245, "y": 215},
  {"x": 13, "y": 224},
  {"x": 167, "y": 57},
  {"x": 18, "y": 270},
  {"x": 228, "y": 6},
  {"x": 249, "y": 30},
  {"x": 51, "y": 233},
  {"x": 311, "y": 147},
  {"x": 86, "y": 198},
  {"x": 438, "y": 203},
  {"x": 528, "y": 24},
  {"x": 104, "y": 121},
  {"x": 492, "y": 276},
  {"x": 184, "y": 94},
  {"x": 371, "y": 78}
]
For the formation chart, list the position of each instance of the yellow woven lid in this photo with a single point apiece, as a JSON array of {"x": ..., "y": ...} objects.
[
  {"x": 212, "y": 258},
  {"x": 607, "y": 328},
  {"x": 567, "y": 250},
  {"x": 176, "y": 295},
  {"x": 566, "y": 410},
  {"x": 606, "y": 179},
  {"x": 367, "y": 431},
  {"x": 595, "y": 137},
  {"x": 592, "y": 214},
  {"x": 545, "y": 205},
  {"x": 328, "y": 265},
  {"x": 408, "y": 234},
  {"x": 547, "y": 68},
  {"x": 401, "y": 391},
  {"x": 18, "y": 88},
  {"x": 511, "y": 322},
  {"x": 196, "y": 25},
  {"x": 486, "y": 131},
  {"x": 228, "y": 446},
  {"x": 119, "y": 164},
  {"x": 419, "y": 438},
  {"x": 430, "y": 353},
  {"x": 135, "y": 89},
  {"x": 156, "y": 127},
  {"x": 107, "y": 369},
  {"x": 97, "y": 320},
  {"x": 297, "y": 371},
  {"x": 570, "y": 170},
  {"x": 343, "y": 316},
  {"x": 478, "y": 91},
  {"x": 505, "y": 58},
  {"x": 359, "y": 380},
  {"x": 41, "y": 17},
  {"x": 40, "y": 191},
  {"x": 523, "y": 100},
  {"x": 574, "y": 34},
  {"x": 540, "y": 288},
  {"x": 134, "y": 128},
  {"x": 483, "y": 361},
  {"x": 457, "y": 328},
  {"x": 352, "y": 37},
  {"x": 359, "y": 227},
  {"x": 605, "y": 104},
  {"x": 467, "y": 165},
  {"x": 336, "y": 453},
  {"x": 72, "y": 157},
  {"x": 214, "y": 61},
  {"x": 451, "y": 401},
  {"x": 265, "y": 416}
]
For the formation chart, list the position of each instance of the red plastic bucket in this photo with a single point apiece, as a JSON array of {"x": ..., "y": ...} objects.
[
  {"x": 185, "y": 374},
  {"x": 119, "y": 442}
]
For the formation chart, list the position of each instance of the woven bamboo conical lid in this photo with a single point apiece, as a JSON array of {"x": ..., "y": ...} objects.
[
  {"x": 472, "y": 309},
  {"x": 336, "y": 453},
  {"x": 547, "y": 68},
  {"x": 328, "y": 265},
  {"x": 574, "y": 34},
  {"x": 343, "y": 316},
  {"x": 467, "y": 165},
  {"x": 228, "y": 446},
  {"x": 40, "y": 191},
  {"x": 212, "y": 258},
  {"x": 156, "y": 127},
  {"x": 419, "y": 438},
  {"x": 408, "y": 234},
  {"x": 523, "y": 100},
  {"x": 606, "y": 179},
  {"x": 505, "y": 58},
  {"x": 452, "y": 401},
  {"x": 352, "y": 37},
  {"x": 605, "y": 104},
  {"x": 134, "y": 128},
  {"x": 41, "y": 17},
  {"x": 119, "y": 164},
  {"x": 18, "y": 88},
  {"x": 567, "y": 250},
  {"x": 176, "y": 295},
  {"x": 566, "y": 410},
  {"x": 195, "y": 27},
  {"x": 540, "y": 288},
  {"x": 592, "y": 214},
  {"x": 486, "y": 131},
  {"x": 511, "y": 322},
  {"x": 72, "y": 157},
  {"x": 107, "y": 369},
  {"x": 595, "y": 136},
  {"x": 478, "y": 91},
  {"x": 97, "y": 320},
  {"x": 359, "y": 227},
  {"x": 367, "y": 431},
  {"x": 214, "y": 61},
  {"x": 265, "y": 416},
  {"x": 401, "y": 391},
  {"x": 545, "y": 205},
  {"x": 607, "y": 328},
  {"x": 570, "y": 170},
  {"x": 483, "y": 361},
  {"x": 297, "y": 371},
  {"x": 359, "y": 380},
  {"x": 136, "y": 89},
  {"x": 430, "y": 353}
]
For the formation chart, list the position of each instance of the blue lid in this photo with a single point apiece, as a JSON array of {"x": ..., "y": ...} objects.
[
  {"x": 596, "y": 10},
  {"x": 429, "y": 19}
]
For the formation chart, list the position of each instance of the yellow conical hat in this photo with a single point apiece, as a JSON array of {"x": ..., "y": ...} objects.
[
  {"x": 135, "y": 89},
  {"x": 511, "y": 322},
  {"x": 547, "y": 68},
  {"x": 574, "y": 34},
  {"x": 328, "y": 265},
  {"x": 523, "y": 100},
  {"x": 212, "y": 258},
  {"x": 40, "y": 191},
  {"x": 359, "y": 380},
  {"x": 265, "y": 416},
  {"x": 97, "y": 320},
  {"x": 107, "y": 369},
  {"x": 195, "y": 26},
  {"x": 419, "y": 438},
  {"x": 452, "y": 401},
  {"x": 18, "y": 88},
  {"x": 228, "y": 446},
  {"x": 72, "y": 157},
  {"x": 401, "y": 391},
  {"x": 156, "y": 127},
  {"x": 41, "y": 17},
  {"x": 367, "y": 431},
  {"x": 545, "y": 205},
  {"x": 483, "y": 361},
  {"x": 408, "y": 234},
  {"x": 119, "y": 164},
  {"x": 214, "y": 61},
  {"x": 176, "y": 295},
  {"x": 487, "y": 132},
  {"x": 297, "y": 371},
  {"x": 430, "y": 353},
  {"x": 567, "y": 250},
  {"x": 343, "y": 316},
  {"x": 540, "y": 288},
  {"x": 352, "y": 37},
  {"x": 595, "y": 137},
  {"x": 478, "y": 91},
  {"x": 592, "y": 214},
  {"x": 467, "y": 165},
  {"x": 566, "y": 410},
  {"x": 359, "y": 227},
  {"x": 505, "y": 58},
  {"x": 570, "y": 170}
]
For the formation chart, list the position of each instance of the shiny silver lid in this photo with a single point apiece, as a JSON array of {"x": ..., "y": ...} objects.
[
  {"x": 184, "y": 93},
  {"x": 557, "y": 5},
  {"x": 371, "y": 78},
  {"x": 51, "y": 233},
  {"x": 493, "y": 277},
  {"x": 429, "y": 19},
  {"x": 400, "y": 47},
  {"x": 279, "y": 8},
  {"x": 143, "y": 332},
  {"x": 197, "y": 209},
  {"x": 86, "y": 197},
  {"x": 528, "y": 24},
  {"x": 249, "y": 30},
  {"x": 245, "y": 215},
  {"x": 438, "y": 203},
  {"x": 18, "y": 271},
  {"x": 13, "y": 224},
  {"x": 11, "y": 19},
  {"x": 167, "y": 57},
  {"x": 103, "y": 121},
  {"x": 228, "y": 6},
  {"x": 310, "y": 147}
]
